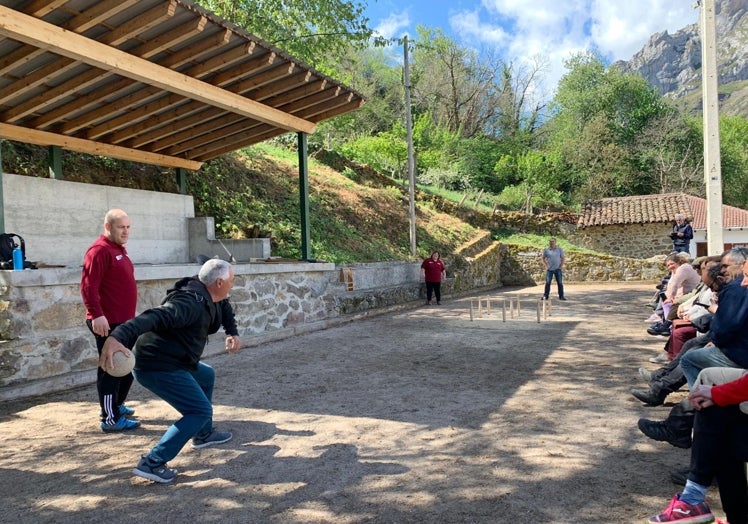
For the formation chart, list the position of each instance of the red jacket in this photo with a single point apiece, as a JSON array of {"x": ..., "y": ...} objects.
[
  {"x": 108, "y": 282},
  {"x": 733, "y": 392}
]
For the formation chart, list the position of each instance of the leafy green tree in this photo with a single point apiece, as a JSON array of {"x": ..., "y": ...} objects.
[
  {"x": 599, "y": 113},
  {"x": 316, "y": 32},
  {"x": 733, "y": 132}
]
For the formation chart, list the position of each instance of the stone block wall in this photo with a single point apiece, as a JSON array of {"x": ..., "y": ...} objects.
[
  {"x": 625, "y": 240},
  {"x": 521, "y": 266}
]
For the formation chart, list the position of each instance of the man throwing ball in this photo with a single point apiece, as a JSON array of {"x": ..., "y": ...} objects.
[{"x": 168, "y": 342}]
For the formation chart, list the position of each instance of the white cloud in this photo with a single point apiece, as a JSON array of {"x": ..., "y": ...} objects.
[
  {"x": 468, "y": 24},
  {"x": 391, "y": 26},
  {"x": 555, "y": 29}
]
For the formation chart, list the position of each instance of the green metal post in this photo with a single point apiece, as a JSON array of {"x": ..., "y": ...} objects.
[
  {"x": 2, "y": 198},
  {"x": 182, "y": 180},
  {"x": 55, "y": 162},
  {"x": 304, "y": 197}
]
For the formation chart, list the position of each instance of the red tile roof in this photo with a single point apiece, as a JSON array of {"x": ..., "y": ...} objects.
[{"x": 647, "y": 209}]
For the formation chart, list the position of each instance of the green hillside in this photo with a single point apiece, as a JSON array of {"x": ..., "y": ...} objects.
[{"x": 356, "y": 214}]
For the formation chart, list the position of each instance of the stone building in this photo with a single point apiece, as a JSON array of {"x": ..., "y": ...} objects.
[{"x": 639, "y": 226}]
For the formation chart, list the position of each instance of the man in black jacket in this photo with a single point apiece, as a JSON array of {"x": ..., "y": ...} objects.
[{"x": 168, "y": 342}]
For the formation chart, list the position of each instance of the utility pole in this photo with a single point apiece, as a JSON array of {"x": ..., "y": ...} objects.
[
  {"x": 710, "y": 103},
  {"x": 411, "y": 157}
]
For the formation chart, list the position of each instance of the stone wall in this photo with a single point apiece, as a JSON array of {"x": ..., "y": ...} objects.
[
  {"x": 625, "y": 240},
  {"x": 45, "y": 346},
  {"x": 521, "y": 266}
]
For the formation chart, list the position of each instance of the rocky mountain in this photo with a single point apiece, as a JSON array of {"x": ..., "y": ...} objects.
[{"x": 672, "y": 62}]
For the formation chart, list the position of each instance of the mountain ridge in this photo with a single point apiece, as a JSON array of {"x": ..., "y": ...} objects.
[{"x": 672, "y": 62}]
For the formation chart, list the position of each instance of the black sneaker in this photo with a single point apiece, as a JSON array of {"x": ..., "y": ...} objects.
[
  {"x": 562, "y": 298},
  {"x": 214, "y": 438},
  {"x": 661, "y": 432},
  {"x": 649, "y": 398},
  {"x": 156, "y": 472}
]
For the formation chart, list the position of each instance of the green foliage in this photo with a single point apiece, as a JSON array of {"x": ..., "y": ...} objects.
[
  {"x": 444, "y": 178},
  {"x": 734, "y": 157},
  {"x": 599, "y": 115},
  {"x": 318, "y": 32},
  {"x": 386, "y": 151}
]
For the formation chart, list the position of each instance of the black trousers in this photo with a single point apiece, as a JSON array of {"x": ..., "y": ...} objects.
[
  {"x": 112, "y": 390},
  {"x": 434, "y": 288},
  {"x": 720, "y": 450},
  {"x": 670, "y": 378}
]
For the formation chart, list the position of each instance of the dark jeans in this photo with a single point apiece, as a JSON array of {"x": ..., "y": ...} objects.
[
  {"x": 191, "y": 394},
  {"x": 681, "y": 249},
  {"x": 670, "y": 378},
  {"x": 720, "y": 450},
  {"x": 549, "y": 274},
  {"x": 112, "y": 390},
  {"x": 434, "y": 288}
]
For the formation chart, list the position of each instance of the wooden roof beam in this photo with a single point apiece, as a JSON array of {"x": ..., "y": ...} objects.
[
  {"x": 40, "y": 8},
  {"x": 44, "y": 138},
  {"x": 204, "y": 120},
  {"x": 81, "y": 23},
  {"x": 192, "y": 52},
  {"x": 178, "y": 102},
  {"x": 28, "y": 29},
  {"x": 145, "y": 110}
]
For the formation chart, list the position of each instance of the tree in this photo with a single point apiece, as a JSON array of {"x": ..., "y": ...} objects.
[
  {"x": 316, "y": 32},
  {"x": 733, "y": 132},
  {"x": 599, "y": 113}
]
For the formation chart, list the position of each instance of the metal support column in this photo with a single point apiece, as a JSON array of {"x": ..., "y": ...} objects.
[
  {"x": 2, "y": 197},
  {"x": 182, "y": 180},
  {"x": 304, "y": 197},
  {"x": 54, "y": 159}
]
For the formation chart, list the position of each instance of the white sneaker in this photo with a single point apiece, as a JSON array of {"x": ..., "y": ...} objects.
[
  {"x": 654, "y": 317},
  {"x": 662, "y": 358}
]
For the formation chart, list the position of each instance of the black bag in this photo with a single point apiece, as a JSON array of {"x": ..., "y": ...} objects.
[{"x": 7, "y": 245}]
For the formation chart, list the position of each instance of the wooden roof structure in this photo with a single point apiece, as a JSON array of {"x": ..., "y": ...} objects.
[{"x": 162, "y": 82}]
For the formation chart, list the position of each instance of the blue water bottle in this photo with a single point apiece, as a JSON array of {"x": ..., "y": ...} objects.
[{"x": 17, "y": 258}]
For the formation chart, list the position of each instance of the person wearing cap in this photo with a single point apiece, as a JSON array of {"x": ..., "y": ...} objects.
[{"x": 681, "y": 234}]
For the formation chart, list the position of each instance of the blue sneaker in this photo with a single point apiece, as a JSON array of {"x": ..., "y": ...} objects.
[
  {"x": 215, "y": 437},
  {"x": 147, "y": 469},
  {"x": 123, "y": 424},
  {"x": 124, "y": 410}
]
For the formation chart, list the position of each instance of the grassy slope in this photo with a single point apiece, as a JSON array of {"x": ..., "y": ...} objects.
[{"x": 354, "y": 218}]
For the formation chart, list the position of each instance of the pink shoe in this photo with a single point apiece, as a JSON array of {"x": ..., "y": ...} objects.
[
  {"x": 679, "y": 511},
  {"x": 654, "y": 317}
]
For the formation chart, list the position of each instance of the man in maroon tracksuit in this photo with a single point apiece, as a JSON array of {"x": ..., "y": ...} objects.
[{"x": 110, "y": 295}]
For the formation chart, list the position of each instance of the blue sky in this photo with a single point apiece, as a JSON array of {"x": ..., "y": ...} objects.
[{"x": 519, "y": 30}]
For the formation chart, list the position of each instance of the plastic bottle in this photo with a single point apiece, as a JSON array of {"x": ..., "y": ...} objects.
[{"x": 17, "y": 258}]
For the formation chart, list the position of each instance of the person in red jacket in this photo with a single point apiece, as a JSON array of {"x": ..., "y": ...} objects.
[
  {"x": 719, "y": 450},
  {"x": 433, "y": 271},
  {"x": 110, "y": 296}
]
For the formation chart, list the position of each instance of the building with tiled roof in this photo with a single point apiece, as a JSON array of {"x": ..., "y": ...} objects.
[{"x": 638, "y": 226}]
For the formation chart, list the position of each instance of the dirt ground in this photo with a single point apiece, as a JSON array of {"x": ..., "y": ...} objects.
[{"x": 417, "y": 415}]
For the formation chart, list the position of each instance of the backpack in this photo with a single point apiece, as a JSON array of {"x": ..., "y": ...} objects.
[{"x": 7, "y": 245}]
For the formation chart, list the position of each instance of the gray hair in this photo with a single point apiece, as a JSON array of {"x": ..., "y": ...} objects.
[
  {"x": 212, "y": 270},
  {"x": 680, "y": 215},
  {"x": 737, "y": 254}
]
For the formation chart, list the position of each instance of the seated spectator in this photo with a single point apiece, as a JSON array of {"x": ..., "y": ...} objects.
[
  {"x": 656, "y": 303},
  {"x": 729, "y": 338},
  {"x": 667, "y": 379},
  {"x": 692, "y": 315},
  {"x": 684, "y": 278},
  {"x": 719, "y": 451},
  {"x": 728, "y": 347}
]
